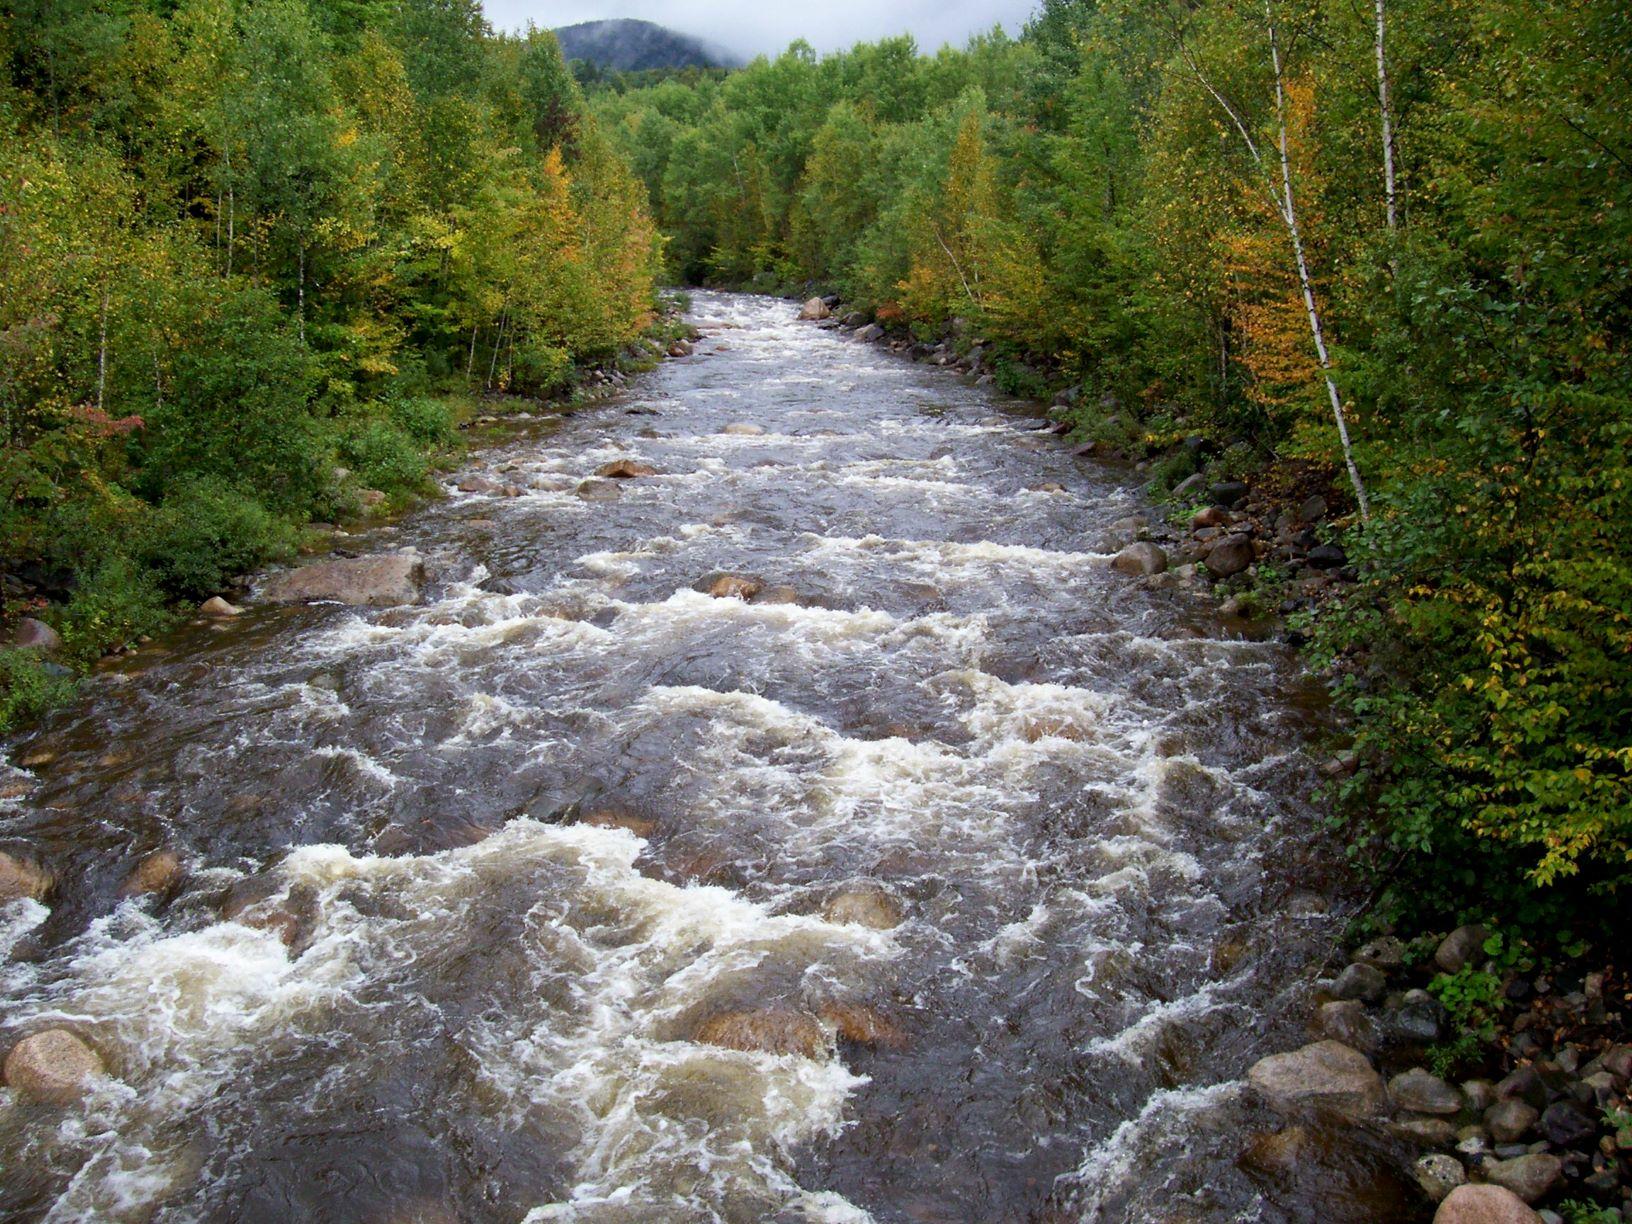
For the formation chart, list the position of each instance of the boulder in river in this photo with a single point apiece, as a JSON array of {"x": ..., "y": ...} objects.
[
  {"x": 1141, "y": 558},
  {"x": 34, "y": 634},
  {"x": 481, "y": 484},
  {"x": 771, "y": 1031},
  {"x": 384, "y": 581},
  {"x": 1484, "y": 1205},
  {"x": 1230, "y": 556},
  {"x": 217, "y": 608},
  {"x": 868, "y": 906},
  {"x": 21, "y": 878},
  {"x": 155, "y": 875},
  {"x": 626, "y": 469},
  {"x": 863, "y": 1025},
  {"x": 55, "y": 1067},
  {"x": 599, "y": 491},
  {"x": 814, "y": 311},
  {"x": 735, "y": 586},
  {"x": 1325, "y": 1075},
  {"x": 744, "y": 429}
]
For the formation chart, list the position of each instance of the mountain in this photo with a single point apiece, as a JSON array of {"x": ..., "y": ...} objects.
[{"x": 639, "y": 46}]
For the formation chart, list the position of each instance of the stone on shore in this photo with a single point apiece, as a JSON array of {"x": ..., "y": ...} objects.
[
  {"x": 1326, "y": 1075},
  {"x": 54, "y": 1067},
  {"x": 1439, "y": 1175},
  {"x": 1230, "y": 556},
  {"x": 1421, "y": 1092},
  {"x": 34, "y": 634},
  {"x": 384, "y": 581},
  {"x": 1530, "y": 1177},
  {"x": 814, "y": 311},
  {"x": 1484, "y": 1205},
  {"x": 1459, "y": 947}
]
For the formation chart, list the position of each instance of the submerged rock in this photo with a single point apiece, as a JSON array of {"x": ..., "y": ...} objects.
[
  {"x": 1325, "y": 1075},
  {"x": 735, "y": 586},
  {"x": 155, "y": 875},
  {"x": 863, "y": 1025},
  {"x": 599, "y": 491},
  {"x": 382, "y": 581},
  {"x": 21, "y": 878},
  {"x": 54, "y": 1067},
  {"x": 867, "y": 906},
  {"x": 772, "y": 1031}
]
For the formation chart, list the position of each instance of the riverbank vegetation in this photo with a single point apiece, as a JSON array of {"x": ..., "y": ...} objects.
[
  {"x": 257, "y": 260},
  {"x": 1388, "y": 243}
]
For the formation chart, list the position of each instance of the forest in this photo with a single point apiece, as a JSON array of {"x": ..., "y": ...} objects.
[
  {"x": 257, "y": 263},
  {"x": 1384, "y": 244},
  {"x": 256, "y": 259}
]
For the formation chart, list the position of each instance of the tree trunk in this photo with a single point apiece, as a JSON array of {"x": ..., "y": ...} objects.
[
  {"x": 1390, "y": 188},
  {"x": 1289, "y": 214},
  {"x": 102, "y": 356},
  {"x": 300, "y": 315}
]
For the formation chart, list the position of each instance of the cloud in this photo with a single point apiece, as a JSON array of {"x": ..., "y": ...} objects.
[{"x": 753, "y": 26}]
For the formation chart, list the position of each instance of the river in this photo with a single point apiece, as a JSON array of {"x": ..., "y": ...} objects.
[{"x": 1009, "y": 853}]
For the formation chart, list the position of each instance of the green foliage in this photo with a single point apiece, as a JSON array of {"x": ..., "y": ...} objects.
[
  {"x": 234, "y": 237},
  {"x": 27, "y": 689},
  {"x": 1577, "y": 1212}
]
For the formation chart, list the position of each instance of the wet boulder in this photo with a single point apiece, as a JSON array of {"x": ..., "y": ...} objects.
[
  {"x": 1230, "y": 556},
  {"x": 155, "y": 875},
  {"x": 1360, "y": 981},
  {"x": 54, "y": 1067},
  {"x": 617, "y": 818},
  {"x": 21, "y": 878},
  {"x": 217, "y": 608},
  {"x": 779, "y": 595},
  {"x": 34, "y": 634},
  {"x": 814, "y": 311},
  {"x": 735, "y": 586},
  {"x": 868, "y": 906},
  {"x": 743, "y": 429},
  {"x": 1345, "y": 1020},
  {"x": 1140, "y": 559},
  {"x": 1326, "y": 1075},
  {"x": 384, "y": 581},
  {"x": 771, "y": 1031},
  {"x": 481, "y": 484},
  {"x": 598, "y": 491},
  {"x": 861, "y": 1024},
  {"x": 871, "y": 333},
  {"x": 626, "y": 469}
]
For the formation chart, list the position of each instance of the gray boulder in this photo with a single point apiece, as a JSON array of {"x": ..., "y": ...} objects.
[
  {"x": 36, "y": 635},
  {"x": 1529, "y": 1177},
  {"x": 384, "y": 581},
  {"x": 1230, "y": 556},
  {"x": 1421, "y": 1092},
  {"x": 1325, "y": 1075},
  {"x": 1142, "y": 558}
]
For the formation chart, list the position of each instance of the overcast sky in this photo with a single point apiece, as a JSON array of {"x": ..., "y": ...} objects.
[{"x": 752, "y": 26}]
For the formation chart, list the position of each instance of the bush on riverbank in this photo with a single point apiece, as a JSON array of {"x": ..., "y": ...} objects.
[{"x": 255, "y": 262}]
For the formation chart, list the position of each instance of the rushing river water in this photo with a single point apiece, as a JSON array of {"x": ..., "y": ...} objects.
[{"x": 499, "y": 860}]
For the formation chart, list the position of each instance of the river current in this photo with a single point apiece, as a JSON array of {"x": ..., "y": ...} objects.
[{"x": 1008, "y": 854}]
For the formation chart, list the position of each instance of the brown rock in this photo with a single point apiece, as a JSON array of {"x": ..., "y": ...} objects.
[
  {"x": 626, "y": 469},
  {"x": 156, "y": 874},
  {"x": 1461, "y": 946},
  {"x": 21, "y": 878},
  {"x": 1230, "y": 556},
  {"x": 1509, "y": 1120},
  {"x": 734, "y": 586},
  {"x": 778, "y": 595},
  {"x": 1278, "y": 1153},
  {"x": 864, "y": 1025},
  {"x": 868, "y": 906},
  {"x": 814, "y": 310},
  {"x": 55, "y": 1067},
  {"x": 1212, "y": 516},
  {"x": 1142, "y": 558},
  {"x": 613, "y": 818},
  {"x": 1439, "y": 1175},
  {"x": 1346, "y": 1021},
  {"x": 218, "y": 609},
  {"x": 1421, "y": 1092},
  {"x": 1484, "y": 1205},
  {"x": 384, "y": 581},
  {"x": 1325, "y": 1075},
  {"x": 599, "y": 491},
  {"x": 480, "y": 484},
  {"x": 772, "y": 1031}
]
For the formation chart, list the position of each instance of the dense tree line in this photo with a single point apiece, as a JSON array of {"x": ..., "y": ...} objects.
[
  {"x": 1390, "y": 241},
  {"x": 247, "y": 249}
]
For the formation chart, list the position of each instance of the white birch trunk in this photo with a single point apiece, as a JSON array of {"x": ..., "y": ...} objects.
[{"x": 1390, "y": 187}]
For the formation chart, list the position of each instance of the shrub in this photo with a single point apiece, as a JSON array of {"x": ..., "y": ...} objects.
[
  {"x": 384, "y": 456},
  {"x": 205, "y": 533},
  {"x": 427, "y": 421},
  {"x": 112, "y": 606},
  {"x": 27, "y": 689}
]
